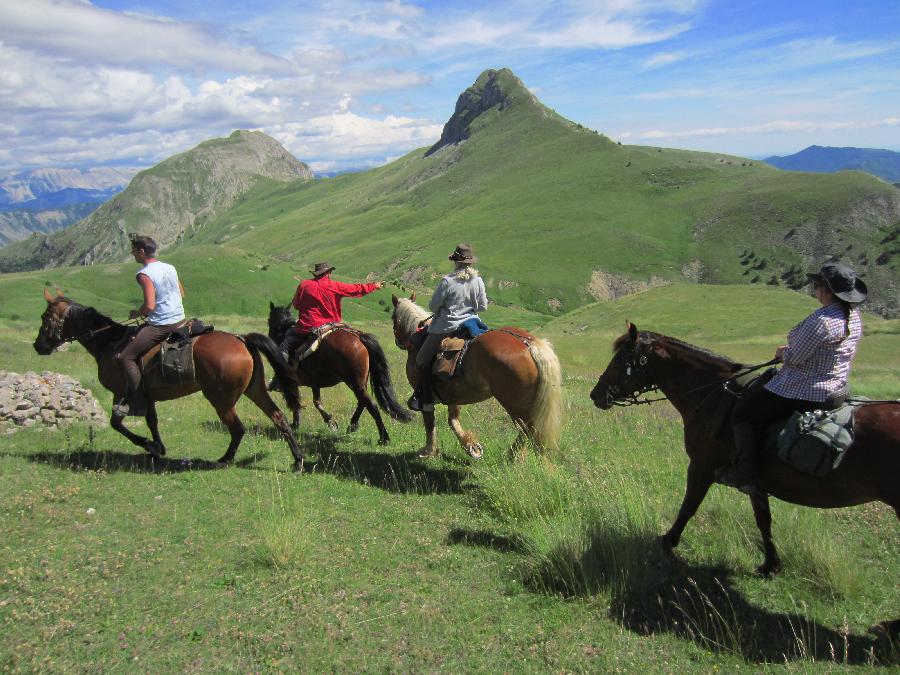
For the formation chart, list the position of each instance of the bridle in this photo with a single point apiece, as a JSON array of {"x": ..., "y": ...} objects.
[
  {"x": 638, "y": 364},
  {"x": 57, "y": 327}
]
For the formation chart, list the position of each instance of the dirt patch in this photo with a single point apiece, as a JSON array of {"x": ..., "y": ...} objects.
[{"x": 607, "y": 286}]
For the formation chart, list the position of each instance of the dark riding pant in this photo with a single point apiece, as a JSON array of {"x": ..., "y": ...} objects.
[
  {"x": 146, "y": 338},
  {"x": 291, "y": 341}
]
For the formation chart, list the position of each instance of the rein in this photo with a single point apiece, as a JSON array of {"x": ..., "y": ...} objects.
[{"x": 59, "y": 325}]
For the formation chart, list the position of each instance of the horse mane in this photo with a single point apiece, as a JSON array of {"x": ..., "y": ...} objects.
[
  {"x": 688, "y": 351},
  {"x": 88, "y": 319},
  {"x": 409, "y": 315}
]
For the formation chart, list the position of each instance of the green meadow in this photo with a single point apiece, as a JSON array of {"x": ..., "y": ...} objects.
[{"x": 375, "y": 560}]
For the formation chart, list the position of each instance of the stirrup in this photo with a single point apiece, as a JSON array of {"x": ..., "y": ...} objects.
[{"x": 414, "y": 404}]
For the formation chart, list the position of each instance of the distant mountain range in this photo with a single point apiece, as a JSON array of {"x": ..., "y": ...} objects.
[
  {"x": 44, "y": 200},
  {"x": 882, "y": 163},
  {"x": 560, "y": 215}
]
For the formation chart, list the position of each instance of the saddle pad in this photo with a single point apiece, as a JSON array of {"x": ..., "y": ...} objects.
[{"x": 321, "y": 333}]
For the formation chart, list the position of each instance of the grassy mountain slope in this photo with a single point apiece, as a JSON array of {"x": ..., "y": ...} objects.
[
  {"x": 561, "y": 215},
  {"x": 176, "y": 196}
]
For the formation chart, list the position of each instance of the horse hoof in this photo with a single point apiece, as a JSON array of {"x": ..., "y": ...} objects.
[
  {"x": 767, "y": 570},
  {"x": 425, "y": 453},
  {"x": 351, "y": 428},
  {"x": 298, "y": 466},
  {"x": 667, "y": 545},
  {"x": 154, "y": 449},
  {"x": 333, "y": 426},
  {"x": 475, "y": 451},
  {"x": 384, "y": 441}
]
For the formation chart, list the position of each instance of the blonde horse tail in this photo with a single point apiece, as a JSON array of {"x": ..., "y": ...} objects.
[{"x": 546, "y": 414}]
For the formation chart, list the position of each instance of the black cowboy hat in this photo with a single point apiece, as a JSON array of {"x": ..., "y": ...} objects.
[
  {"x": 841, "y": 281},
  {"x": 463, "y": 253},
  {"x": 320, "y": 269}
]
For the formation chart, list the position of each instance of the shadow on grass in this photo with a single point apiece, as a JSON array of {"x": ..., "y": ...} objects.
[
  {"x": 653, "y": 592},
  {"x": 402, "y": 474},
  {"x": 114, "y": 461},
  {"x": 486, "y": 539}
]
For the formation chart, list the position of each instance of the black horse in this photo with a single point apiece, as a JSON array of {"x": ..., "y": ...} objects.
[{"x": 345, "y": 355}]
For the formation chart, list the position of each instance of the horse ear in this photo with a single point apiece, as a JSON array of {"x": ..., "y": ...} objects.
[
  {"x": 47, "y": 295},
  {"x": 394, "y": 299},
  {"x": 412, "y": 297},
  {"x": 632, "y": 332},
  {"x": 59, "y": 293},
  {"x": 271, "y": 305}
]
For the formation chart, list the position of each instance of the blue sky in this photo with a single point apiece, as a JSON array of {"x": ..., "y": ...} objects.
[{"x": 350, "y": 83}]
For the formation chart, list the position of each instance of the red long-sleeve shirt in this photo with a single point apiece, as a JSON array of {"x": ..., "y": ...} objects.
[{"x": 318, "y": 301}]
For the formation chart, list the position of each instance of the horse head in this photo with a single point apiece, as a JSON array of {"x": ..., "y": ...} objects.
[
  {"x": 406, "y": 318},
  {"x": 629, "y": 373},
  {"x": 52, "y": 331},
  {"x": 280, "y": 320}
]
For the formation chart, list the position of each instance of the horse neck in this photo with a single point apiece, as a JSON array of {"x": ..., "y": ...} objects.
[
  {"x": 691, "y": 376},
  {"x": 98, "y": 344}
]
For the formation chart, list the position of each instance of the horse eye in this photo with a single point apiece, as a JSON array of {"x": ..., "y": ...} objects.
[{"x": 643, "y": 361}]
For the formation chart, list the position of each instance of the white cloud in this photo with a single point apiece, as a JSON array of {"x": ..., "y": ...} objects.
[
  {"x": 773, "y": 127},
  {"x": 663, "y": 59},
  {"x": 80, "y": 30}
]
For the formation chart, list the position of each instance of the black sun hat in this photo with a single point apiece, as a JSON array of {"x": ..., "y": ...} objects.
[
  {"x": 321, "y": 268},
  {"x": 842, "y": 281}
]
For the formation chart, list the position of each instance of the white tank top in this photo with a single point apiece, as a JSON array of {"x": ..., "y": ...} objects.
[{"x": 168, "y": 294}]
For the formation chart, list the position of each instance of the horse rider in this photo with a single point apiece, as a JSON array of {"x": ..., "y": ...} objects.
[
  {"x": 816, "y": 364},
  {"x": 164, "y": 312},
  {"x": 318, "y": 303},
  {"x": 459, "y": 297}
]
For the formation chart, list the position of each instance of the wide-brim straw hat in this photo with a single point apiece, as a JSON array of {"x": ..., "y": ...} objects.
[
  {"x": 464, "y": 254},
  {"x": 842, "y": 281},
  {"x": 321, "y": 268}
]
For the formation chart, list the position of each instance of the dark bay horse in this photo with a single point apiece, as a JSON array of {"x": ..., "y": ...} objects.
[
  {"x": 691, "y": 379},
  {"x": 518, "y": 369},
  {"x": 349, "y": 356},
  {"x": 226, "y": 366}
]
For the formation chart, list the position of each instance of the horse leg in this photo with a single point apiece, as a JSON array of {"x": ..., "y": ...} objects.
[
  {"x": 354, "y": 421},
  {"x": 153, "y": 425},
  {"x": 229, "y": 418},
  {"x": 467, "y": 439},
  {"x": 364, "y": 401},
  {"x": 699, "y": 478},
  {"x": 317, "y": 401},
  {"x": 258, "y": 393},
  {"x": 117, "y": 422},
  {"x": 772, "y": 563},
  {"x": 431, "y": 448}
]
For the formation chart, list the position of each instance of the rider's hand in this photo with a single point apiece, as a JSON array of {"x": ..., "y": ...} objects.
[
  {"x": 379, "y": 284},
  {"x": 134, "y": 314},
  {"x": 779, "y": 353}
]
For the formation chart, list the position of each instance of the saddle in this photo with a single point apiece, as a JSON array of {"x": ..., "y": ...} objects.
[
  {"x": 173, "y": 359},
  {"x": 813, "y": 442},
  {"x": 317, "y": 336}
]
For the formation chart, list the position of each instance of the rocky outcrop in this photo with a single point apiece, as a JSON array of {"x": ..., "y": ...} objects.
[
  {"x": 492, "y": 88},
  {"x": 605, "y": 286},
  {"x": 49, "y": 399}
]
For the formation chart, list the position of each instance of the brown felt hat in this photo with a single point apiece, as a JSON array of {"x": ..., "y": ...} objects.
[
  {"x": 463, "y": 253},
  {"x": 320, "y": 269}
]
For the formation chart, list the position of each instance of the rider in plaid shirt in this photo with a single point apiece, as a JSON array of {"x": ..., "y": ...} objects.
[{"x": 816, "y": 362}]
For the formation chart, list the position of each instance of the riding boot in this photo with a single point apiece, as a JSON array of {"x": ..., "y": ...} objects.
[
  {"x": 422, "y": 399},
  {"x": 134, "y": 403},
  {"x": 743, "y": 475}
]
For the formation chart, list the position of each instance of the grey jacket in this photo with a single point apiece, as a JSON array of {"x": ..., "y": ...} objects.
[{"x": 455, "y": 300}]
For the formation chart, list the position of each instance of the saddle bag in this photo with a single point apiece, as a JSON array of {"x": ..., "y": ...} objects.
[
  {"x": 176, "y": 361},
  {"x": 815, "y": 442},
  {"x": 448, "y": 357}
]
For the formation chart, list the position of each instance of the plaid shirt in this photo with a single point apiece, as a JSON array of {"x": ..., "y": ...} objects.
[{"x": 818, "y": 355}]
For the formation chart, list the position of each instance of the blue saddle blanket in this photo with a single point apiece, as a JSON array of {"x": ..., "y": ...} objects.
[{"x": 474, "y": 327}]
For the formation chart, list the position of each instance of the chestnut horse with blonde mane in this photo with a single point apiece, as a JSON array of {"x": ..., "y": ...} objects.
[
  {"x": 691, "y": 379},
  {"x": 518, "y": 369},
  {"x": 226, "y": 366}
]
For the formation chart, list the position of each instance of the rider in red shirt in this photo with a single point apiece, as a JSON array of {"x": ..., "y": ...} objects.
[{"x": 318, "y": 302}]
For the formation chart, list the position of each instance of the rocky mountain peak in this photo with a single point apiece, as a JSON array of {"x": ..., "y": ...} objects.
[{"x": 493, "y": 88}]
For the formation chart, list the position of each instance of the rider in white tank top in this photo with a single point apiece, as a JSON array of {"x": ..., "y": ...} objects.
[{"x": 169, "y": 308}]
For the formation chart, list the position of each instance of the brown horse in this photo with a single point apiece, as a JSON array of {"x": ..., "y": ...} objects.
[
  {"x": 349, "y": 356},
  {"x": 692, "y": 379},
  {"x": 518, "y": 369},
  {"x": 226, "y": 366}
]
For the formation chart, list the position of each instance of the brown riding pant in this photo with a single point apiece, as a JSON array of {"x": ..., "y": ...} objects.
[
  {"x": 146, "y": 337},
  {"x": 429, "y": 349}
]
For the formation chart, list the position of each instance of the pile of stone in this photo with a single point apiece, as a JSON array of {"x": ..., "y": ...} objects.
[{"x": 49, "y": 399}]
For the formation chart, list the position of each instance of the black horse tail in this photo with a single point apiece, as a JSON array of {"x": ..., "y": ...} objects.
[
  {"x": 256, "y": 343},
  {"x": 380, "y": 377}
]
